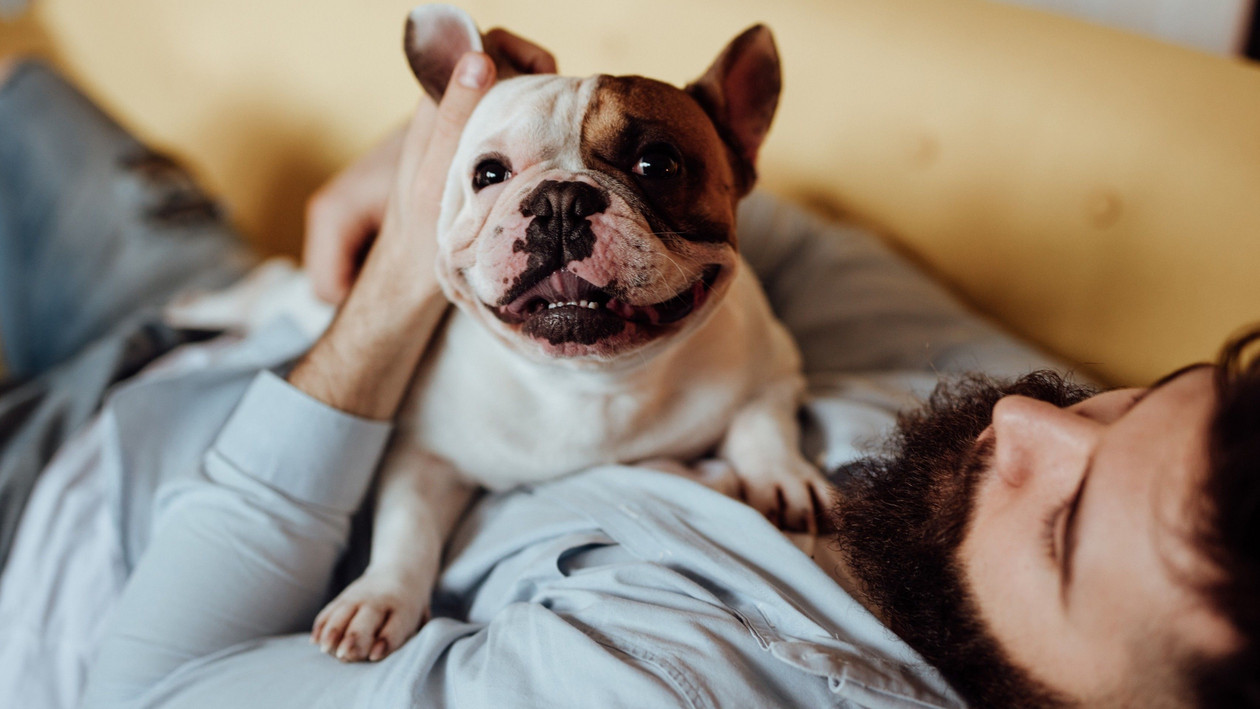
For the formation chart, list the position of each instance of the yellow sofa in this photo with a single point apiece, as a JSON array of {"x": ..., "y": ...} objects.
[{"x": 1097, "y": 192}]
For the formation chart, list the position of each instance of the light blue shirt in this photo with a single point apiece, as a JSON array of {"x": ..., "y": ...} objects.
[{"x": 615, "y": 587}]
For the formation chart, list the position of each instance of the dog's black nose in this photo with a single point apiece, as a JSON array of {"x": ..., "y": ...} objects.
[
  {"x": 569, "y": 200},
  {"x": 560, "y": 210}
]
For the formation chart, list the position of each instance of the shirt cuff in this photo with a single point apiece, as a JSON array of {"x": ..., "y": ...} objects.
[{"x": 301, "y": 446}]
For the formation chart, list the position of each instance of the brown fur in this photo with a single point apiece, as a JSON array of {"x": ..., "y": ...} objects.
[{"x": 629, "y": 113}]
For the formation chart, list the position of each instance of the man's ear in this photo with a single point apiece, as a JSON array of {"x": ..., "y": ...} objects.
[
  {"x": 437, "y": 36},
  {"x": 740, "y": 92}
]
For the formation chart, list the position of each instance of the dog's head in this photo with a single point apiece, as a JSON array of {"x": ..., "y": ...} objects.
[{"x": 593, "y": 219}]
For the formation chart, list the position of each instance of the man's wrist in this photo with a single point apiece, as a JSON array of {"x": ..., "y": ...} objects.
[{"x": 365, "y": 360}]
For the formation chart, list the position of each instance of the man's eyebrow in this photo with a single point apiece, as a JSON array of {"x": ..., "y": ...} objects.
[
  {"x": 1176, "y": 373},
  {"x": 1071, "y": 523}
]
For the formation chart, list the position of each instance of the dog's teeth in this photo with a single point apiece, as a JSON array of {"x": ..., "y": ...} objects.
[{"x": 589, "y": 304}]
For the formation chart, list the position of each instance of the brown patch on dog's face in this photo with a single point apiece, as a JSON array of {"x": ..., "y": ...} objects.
[{"x": 630, "y": 119}]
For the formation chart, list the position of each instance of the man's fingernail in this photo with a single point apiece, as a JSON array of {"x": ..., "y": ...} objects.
[{"x": 473, "y": 71}]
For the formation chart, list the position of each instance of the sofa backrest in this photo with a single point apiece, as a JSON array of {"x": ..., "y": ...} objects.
[{"x": 1093, "y": 190}]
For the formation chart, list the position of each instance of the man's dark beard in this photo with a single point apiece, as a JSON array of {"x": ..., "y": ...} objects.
[{"x": 902, "y": 517}]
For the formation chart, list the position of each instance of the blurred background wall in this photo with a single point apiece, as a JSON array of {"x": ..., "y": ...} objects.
[
  {"x": 1220, "y": 26},
  {"x": 1081, "y": 184}
]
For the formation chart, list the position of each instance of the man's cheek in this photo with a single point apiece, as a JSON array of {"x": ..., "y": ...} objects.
[{"x": 1015, "y": 590}]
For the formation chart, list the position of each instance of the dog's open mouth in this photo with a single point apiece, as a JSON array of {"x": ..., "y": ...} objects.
[{"x": 565, "y": 308}]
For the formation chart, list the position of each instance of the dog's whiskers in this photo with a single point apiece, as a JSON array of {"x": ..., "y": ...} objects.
[{"x": 681, "y": 271}]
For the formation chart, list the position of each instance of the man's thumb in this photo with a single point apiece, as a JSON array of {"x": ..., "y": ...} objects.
[{"x": 473, "y": 76}]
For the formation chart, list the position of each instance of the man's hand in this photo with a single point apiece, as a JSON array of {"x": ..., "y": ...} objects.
[
  {"x": 345, "y": 215},
  {"x": 7, "y": 65},
  {"x": 363, "y": 362}
]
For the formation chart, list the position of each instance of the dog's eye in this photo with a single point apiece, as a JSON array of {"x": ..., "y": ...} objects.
[
  {"x": 658, "y": 161},
  {"x": 489, "y": 172}
]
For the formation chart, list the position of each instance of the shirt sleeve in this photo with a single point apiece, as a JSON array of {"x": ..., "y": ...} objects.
[{"x": 245, "y": 549}]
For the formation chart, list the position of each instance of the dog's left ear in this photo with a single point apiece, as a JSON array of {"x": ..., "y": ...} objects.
[
  {"x": 740, "y": 92},
  {"x": 437, "y": 36}
]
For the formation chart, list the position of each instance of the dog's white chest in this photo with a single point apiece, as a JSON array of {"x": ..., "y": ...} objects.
[{"x": 503, "y": 420}]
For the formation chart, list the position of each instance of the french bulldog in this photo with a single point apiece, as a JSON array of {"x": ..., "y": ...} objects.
[{"x": 603, "y": 313}]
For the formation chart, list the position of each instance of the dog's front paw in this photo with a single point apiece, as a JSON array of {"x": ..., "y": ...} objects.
[
  {"x": 789, "y": 491},
  {"x": 372, "y": 617}
]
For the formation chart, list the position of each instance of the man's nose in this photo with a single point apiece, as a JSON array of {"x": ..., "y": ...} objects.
[
  {"x": 1037, "y": 442},
  {"x": 560, "y": 211}
]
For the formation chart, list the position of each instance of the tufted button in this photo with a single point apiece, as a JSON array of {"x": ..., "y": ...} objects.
[
  {"x": 1103, "y": 207},
  {"x": 925, "y": 151}
]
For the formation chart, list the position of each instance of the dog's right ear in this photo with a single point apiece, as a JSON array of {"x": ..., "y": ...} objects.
[{"x": 437, "y": 36}]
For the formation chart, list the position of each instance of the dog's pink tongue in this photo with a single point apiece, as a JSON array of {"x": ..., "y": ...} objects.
[
  {"x": 627, "y": 311},
  {"x": 558, "y": 283},
  {"x": 563, "y": 286},
  {"x": 559, "y": 287}
]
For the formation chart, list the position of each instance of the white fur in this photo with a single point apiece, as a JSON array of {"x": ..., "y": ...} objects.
[{"x": 504, "y": 420}]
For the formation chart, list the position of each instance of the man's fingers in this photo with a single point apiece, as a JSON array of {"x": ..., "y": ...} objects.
[
  {"x": 411, "y": 217},
  {"x": 473, "y": 76},
  {"x": 523, "y": 55},
  {"x": 323, "y": 254},
  {"x": 416, "y": 138},
  {"x": 340, "y": 225}
]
